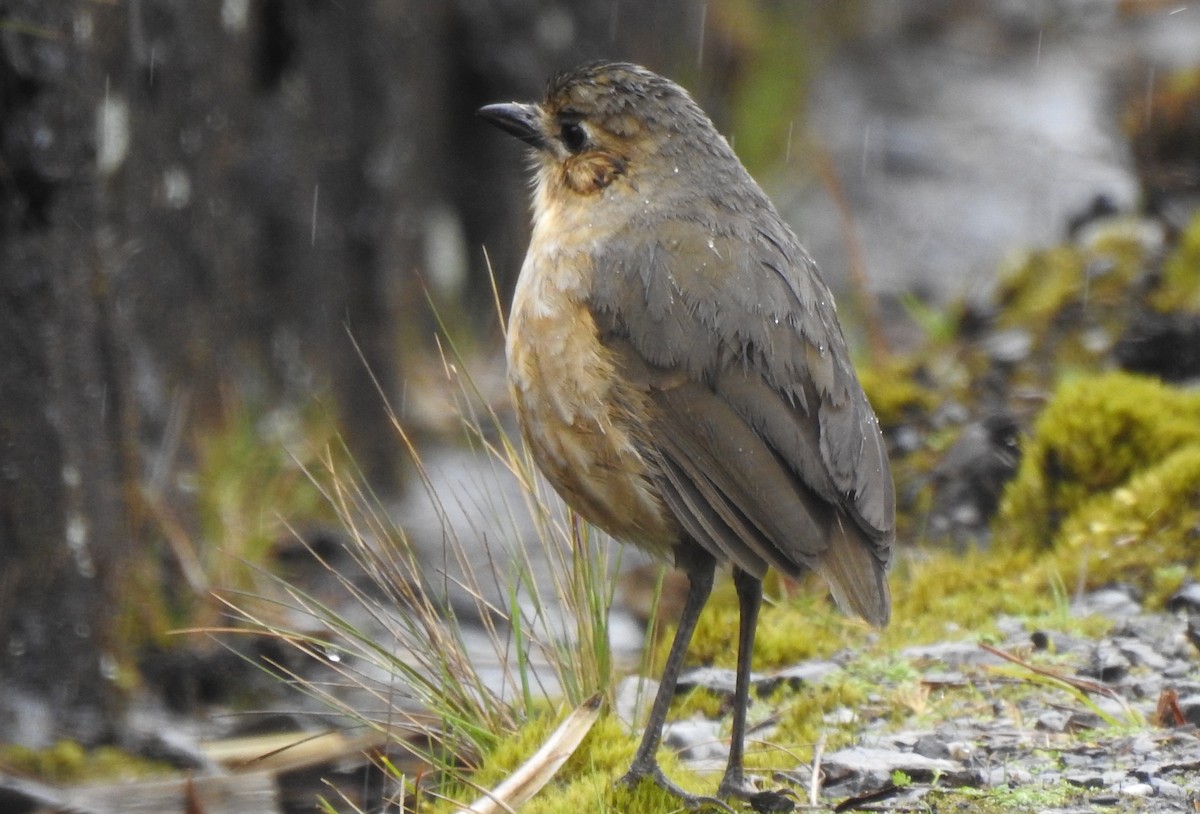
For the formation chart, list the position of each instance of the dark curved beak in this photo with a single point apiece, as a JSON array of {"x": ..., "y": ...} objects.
[{"x": 516, "y": 120}]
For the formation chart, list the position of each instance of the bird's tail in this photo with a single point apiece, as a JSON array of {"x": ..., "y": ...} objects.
[{"x": 856, "y": 576}]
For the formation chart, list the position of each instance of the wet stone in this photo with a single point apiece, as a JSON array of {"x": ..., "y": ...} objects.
[
  {"x": 723, "y": 681},
  {"x": 1142, "y": 654},
  {"x": 1008, "y": 347},
  {"x": 808, "y": 672},
  {"x": 1114, "y": 603},
  {"x": 713, "y": 679},
  {"x": 861, "y": 768},
  {"x": 1186, "y": 598},
  {"x": 950, "y": 654},
  {"x": 1165, "y": 788},
  {"x": 697, "y": 740},
  {"x": 633, "y": 696},
  {"x": 1084, "y": 779},
  {"x": 1108, "y": 664},
  {"x": 1137, "y": 790},
  {"x": 1007, "y": 776},
  {"x": 1053, "y": 720},
  {"x": 1191, "y": 709}
]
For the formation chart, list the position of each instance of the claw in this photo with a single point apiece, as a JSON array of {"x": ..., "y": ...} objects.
[
  {"x": 771, "y": 802},
  {"x": 692, "y": 801},
  {"x": 763, "y": 802}
]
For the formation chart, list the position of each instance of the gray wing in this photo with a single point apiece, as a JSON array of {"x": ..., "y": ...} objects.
[{"x": 768, "y": 450}]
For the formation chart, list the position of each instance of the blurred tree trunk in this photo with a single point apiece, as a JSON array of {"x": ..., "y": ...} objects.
[
  {"x": 273, "y": 206},
  {"x": 203, "y": 207},
  {"x": 64, "y": 465}
]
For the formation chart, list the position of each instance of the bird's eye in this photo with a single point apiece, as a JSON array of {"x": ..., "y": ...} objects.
[{"x": 573, "y": 136}]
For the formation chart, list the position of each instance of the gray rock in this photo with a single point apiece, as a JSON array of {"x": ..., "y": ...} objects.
[
  {"x": 697, "y": 740},
  {"x": 1053, "y": 720},
  {"x": 1009, "y": 346},
  {"x": 950, "y": 654},
  {"x": 1107, "y": 663},
  {"x": 1137, "y": 790},
  {"x": 1142, "y": 654},
  {"x": 1191, "y": 709},
  {"x": 1165, "y": 788},
  {"x": 633, "y": 698},
  {"x": 876, "y": 766},
  {"x": 1186, "y": 598},
  {"x": 1085, "y": 779},
  {"x": 1115, "y": 603},
  {"x": 809, "y": 672}
]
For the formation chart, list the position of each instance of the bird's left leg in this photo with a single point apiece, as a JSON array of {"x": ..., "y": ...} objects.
[{"x": 733, "y": 784}]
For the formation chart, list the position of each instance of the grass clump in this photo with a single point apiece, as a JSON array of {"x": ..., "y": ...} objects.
[{"x": 393, "y": 655}]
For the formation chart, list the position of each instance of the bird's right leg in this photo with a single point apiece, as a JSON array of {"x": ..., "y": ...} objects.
[{"x": 645, "y": 761}]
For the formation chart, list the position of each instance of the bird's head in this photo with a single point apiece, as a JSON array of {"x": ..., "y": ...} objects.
[{"x": 603, "y": 122}]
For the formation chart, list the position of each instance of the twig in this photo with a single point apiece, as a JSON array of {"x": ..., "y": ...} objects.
[
  {"x": 814, "y": 783},
  {"x": 1081, "y": 684},
  {"x": 536, "y": 772}
]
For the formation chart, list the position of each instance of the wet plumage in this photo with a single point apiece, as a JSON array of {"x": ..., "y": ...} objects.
[{"x": 676, "y": 360}]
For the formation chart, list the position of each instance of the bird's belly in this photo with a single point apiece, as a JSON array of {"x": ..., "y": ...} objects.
[{"x": 578, "y": 420}]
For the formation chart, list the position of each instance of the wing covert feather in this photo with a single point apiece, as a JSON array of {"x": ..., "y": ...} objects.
[{"x": 765, "y": 436}]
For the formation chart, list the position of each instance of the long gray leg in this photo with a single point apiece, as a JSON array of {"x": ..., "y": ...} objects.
[
  {"x": 749, "y": 591},
  {"x": 733, "y": 784},
  {"x": 645, "y": 761}
]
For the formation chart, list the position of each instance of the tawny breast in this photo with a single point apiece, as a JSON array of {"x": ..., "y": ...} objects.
[{"x": 576, "y": 413}]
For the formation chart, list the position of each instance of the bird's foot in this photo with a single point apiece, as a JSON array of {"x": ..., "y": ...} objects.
[
  {"x": 763, "y": 802},
  {"x": 693, "y": 802}
]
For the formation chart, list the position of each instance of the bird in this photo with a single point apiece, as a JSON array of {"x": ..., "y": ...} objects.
[{"x": 679, "y": 373}]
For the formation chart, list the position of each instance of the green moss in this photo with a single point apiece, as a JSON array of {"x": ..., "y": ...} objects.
[
  {"x": 70, "y": 762},
  {"x": 1131, "y": 532},
  {"x": 808, "y": 715},
  {"x": 1073, "y": 283},
  {"x": 896, "y": 392},
  {"x": 587, "y": 781},
  {"x": 1179, "y": 286},
  {"x": 797, "y": 622},
  {"x": 1092, "y": 438},
  {"x": 698, "y": 701},
  {"x": 1006, "y": 800},
  {"x": 1035, "y": 291}
]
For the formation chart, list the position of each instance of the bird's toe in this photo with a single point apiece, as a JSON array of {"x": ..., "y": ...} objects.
[
  {"x": 764, "y": 802},
  {"x": 694, "y": 802}
]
